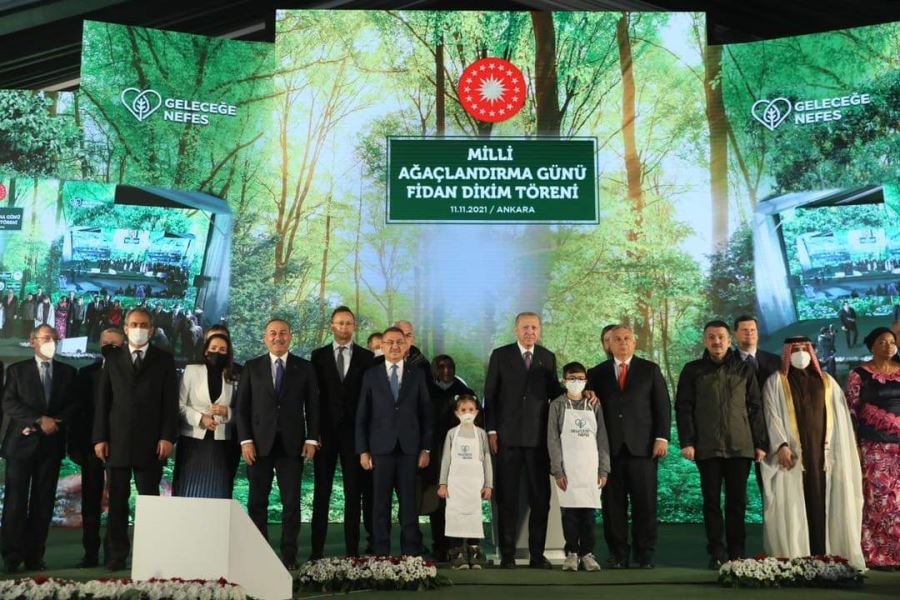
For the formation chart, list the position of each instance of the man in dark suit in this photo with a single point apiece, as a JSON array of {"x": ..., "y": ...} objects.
[
  {"x": 764, "y": 364},
  {"x": 37, "y": 408},
  {"x": 10, "y": 312},
  {"x": 521, "y": 381},
  {"x": 81, "y": 449},
  {"x": 394, "y": 424},
  {"x": 638, "y": 417},
  {"x": 278, "y": 425},
  {"x": 339, "y": 369},
  {"x": 135, "y": 425}
]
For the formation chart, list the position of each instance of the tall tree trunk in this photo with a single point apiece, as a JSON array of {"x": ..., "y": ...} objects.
[
  {"x": 549, "y": 117},
  {"x": 323, "y": 277},
  {"x": 356, "y": 246},
  {"x": 633, "y": 173},
  {"x": 717, "y": 122},
  {"x": 440, "y": 113}
]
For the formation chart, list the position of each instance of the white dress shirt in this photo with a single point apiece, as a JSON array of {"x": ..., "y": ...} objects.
[
  {"x": 348, "y": 352},
  {"x": 143, "y": 350},
  {"x": 388, "y": 365}
]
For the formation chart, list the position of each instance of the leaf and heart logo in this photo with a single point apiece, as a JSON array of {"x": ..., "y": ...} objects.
[
  {"x": 771, "y": 113},
  {"x": 141, "y": 103}
]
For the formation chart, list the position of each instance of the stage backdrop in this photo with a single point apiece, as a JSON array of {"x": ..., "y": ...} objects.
[{"x": 637, "y": 169}]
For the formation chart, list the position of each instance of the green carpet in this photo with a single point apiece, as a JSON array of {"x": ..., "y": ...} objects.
[{"x": 680, "y": 573}]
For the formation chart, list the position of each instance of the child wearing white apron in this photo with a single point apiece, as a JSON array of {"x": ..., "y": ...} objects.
[
  {"x": 579, "y": 461},
  {"x": 465, "y": 480}
]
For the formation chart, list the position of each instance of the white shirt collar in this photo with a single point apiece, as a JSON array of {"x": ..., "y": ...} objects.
[
  {"x": 40, "y": 360},
  {"x": 388, "y": 364},
  {"x": 273, "y": 358},
  {"x": 348, "y": 346},
  {"x": 745, "y": 354},
  {"x": 132, "y": 348},
  {"x": 627, "y": 362},
  {"x": 523, "y": 349}
]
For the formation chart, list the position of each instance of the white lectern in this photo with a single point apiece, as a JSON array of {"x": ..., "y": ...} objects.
[{"x": 199, "y": 538}]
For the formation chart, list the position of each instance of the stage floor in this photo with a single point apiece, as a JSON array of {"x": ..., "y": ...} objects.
[{"x": 680, "y": 573}]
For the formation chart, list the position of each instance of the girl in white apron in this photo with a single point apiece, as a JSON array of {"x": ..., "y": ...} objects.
[
  {"x": 466, "y": 480},
  {"x": 579, "y": 461}
]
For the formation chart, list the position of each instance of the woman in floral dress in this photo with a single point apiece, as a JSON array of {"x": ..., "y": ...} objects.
[
  {"x": 873, "y": 395},
  {"x": 61, "y": 319}
]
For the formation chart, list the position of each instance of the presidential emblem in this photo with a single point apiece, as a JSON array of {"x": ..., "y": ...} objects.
[{"x": 492, "y": 90}]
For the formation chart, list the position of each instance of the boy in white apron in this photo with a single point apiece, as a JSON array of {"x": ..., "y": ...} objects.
[
  {"x": 579, "y": 461},
  {"x": 466, "y": 479}
]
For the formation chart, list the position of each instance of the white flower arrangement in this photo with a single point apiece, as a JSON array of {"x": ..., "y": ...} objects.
[
  {"x": 809, "y": 571},
  {"x": 368, "y": 572},
  {"x": 50, "y": 588}
]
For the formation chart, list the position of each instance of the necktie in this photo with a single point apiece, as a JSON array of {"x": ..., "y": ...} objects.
[
  {"x": 46, "y": 380},
  {"x": 527, "y": 356},
  {"x": 395, "y": 384},
  {"x": 751, "y": 360},
  {"x": 340, "y": 361},
  {"x": 279, "y": 374},
  {"x": 623, "y": 373},
  {"x": 138, "y": 356}
]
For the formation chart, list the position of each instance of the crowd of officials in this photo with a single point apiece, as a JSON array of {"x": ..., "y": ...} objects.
[{"x": 396, "y": 421}]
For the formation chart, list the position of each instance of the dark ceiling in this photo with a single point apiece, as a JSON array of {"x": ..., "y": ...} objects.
[{"x": 40, "y": 41}]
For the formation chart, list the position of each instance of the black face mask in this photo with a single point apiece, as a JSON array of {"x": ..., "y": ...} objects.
[
  {"x": 215, "y": 359},
  {"x": 107, "y": 349}
]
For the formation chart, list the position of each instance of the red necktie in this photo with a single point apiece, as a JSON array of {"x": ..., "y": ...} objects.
[{"x": 623, "y": 371}]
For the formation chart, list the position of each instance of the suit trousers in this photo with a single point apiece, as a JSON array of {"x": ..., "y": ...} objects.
[
  {"x": 289, "y": 471},
  {"x": 92, "y": 477},
  {"x": 511, "y": 460},
  {"x": 395, "y": 471},
  {"x": 733, "y": 472},
  {"x": 146, "y": 479},
  {"x": 357, "y": 491},
  {"x": 632, "y": 480},
  {"x": 28, "y": 505}
]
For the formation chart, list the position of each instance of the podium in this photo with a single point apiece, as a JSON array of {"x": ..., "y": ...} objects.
[{"x": 201, "y": 538}]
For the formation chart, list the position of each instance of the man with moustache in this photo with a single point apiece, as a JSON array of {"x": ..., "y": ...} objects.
[
  {"x": 278, "y": 425},
  {"x": 339, "y": 368},
  {"x": 521, "y": 381}
]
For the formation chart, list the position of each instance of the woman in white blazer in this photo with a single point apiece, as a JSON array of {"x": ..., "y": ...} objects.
[{"x": 205, "y": 453}]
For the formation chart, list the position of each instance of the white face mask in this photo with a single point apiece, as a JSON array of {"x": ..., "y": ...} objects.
[
  {"x": 466, "y": 418},
  {"x": 138, "y": 336},
  {"x": 800, "y": 359},
  {"x": 48, "y": 349},
  {"x": 575, "y": 386}
]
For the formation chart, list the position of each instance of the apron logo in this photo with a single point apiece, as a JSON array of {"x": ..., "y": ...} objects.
[{"x": 580, "y": 423}]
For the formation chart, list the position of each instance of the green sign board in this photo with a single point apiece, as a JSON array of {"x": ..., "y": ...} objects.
[
  {"x": 11, "y": 219},
  {"x": 496, "y": 180}
]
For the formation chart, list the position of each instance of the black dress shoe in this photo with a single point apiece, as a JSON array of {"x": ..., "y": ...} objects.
[
  {"x": 614, "y": 563},
  {"x": 539, "y": 563},
  {"x": 291, "y": 564},
  {"x": 116, "y": 564},
  {"x": 37, "y": 565},
  {"x": 715, "y": 562},
  {"x": 507, "y": 562},
  {"x": 88, "y": 562},
  {"x": 12, "y": 566}
]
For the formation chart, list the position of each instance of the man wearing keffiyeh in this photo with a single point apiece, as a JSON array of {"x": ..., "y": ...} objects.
[{"x": 812, "y": 477}]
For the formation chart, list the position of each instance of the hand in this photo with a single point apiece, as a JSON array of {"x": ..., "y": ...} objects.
[
  {"x": 218, "y": 410},
  {"x": 309, "y": 451},
  {"x": 424, "y": 459},
  {"x": 759, "y": 455},
  {"x": 660, "y": 448},
  {"x": 688, "y": 452},
  {"x": 207, "y": 422},
  {"x": 601, "y": 482},
  {"x": 785, "y": 457},
  {"x": 101, "y": 449},
  {"x": 492, "y": 442},
  {"x": 365, "y": 460},
  {"x": 164, "y": 449},
  {"x": 486, "y": 493},
  {"x": 591, "y": 397},
  {"x": 48, "y": 425},
  {"x": 249, "y": 452},
  {"x": 562, "y": 482},
  {"x": 442, "y": 491}
]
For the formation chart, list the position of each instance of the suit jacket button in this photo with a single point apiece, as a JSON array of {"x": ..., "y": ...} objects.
[
  {"x": 524, "y": 397},
  {"x": 620, "y": 416}
]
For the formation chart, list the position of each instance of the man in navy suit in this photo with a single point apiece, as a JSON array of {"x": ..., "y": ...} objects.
[
  {"x": 38, "y": 406},
  {"x": 394, "y": 425},
  {"x": 278, "y": 423},
  {"x": 521, "y": 381}
]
